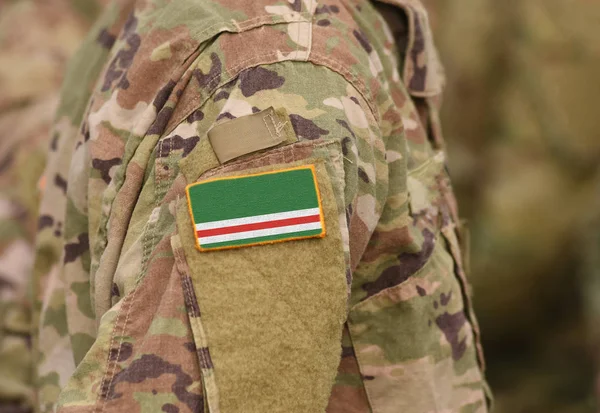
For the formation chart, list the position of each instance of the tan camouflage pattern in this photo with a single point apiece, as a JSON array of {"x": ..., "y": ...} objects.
[
  {"x": 36, "y": 40},
  {"x": 120, "y": 323}
]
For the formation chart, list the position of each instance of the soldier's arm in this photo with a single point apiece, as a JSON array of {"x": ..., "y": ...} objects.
[
  {"x": 306, "y": 159},
  {"x": 246, "y": 220}
]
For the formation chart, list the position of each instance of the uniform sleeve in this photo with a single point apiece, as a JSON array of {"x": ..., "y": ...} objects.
[
  {"x": 279, "y": 278},
  {"x": 263, "y": 312},
  {"x": 239, "y": 234}
]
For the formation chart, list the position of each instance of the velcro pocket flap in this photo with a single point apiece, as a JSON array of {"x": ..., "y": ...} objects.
[{"x": 273, "y": 313}]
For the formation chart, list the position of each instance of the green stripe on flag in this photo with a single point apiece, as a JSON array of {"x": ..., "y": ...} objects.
[{"x": 247, "y": 196}]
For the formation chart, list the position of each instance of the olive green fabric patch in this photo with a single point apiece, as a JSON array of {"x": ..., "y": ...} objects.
[
  {"x": 247, "y": 134},
  {"x": 273, "y": 314}
]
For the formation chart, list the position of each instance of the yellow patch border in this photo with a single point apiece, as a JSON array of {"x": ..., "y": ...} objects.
[{"x": 321, "y": 213}]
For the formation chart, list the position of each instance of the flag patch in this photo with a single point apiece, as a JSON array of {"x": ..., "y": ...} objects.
[{"x": 256, "y": 209}]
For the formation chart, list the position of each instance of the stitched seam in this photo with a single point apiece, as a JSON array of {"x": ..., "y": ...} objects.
[
  {"x": 185, "y": 279},
  {"x": 109, "y": 366},
  {"x": 264, "y": 118},
  {"x": 187, "y": 293},
  {"x": 234, "y": 72},
  {"x": 248, "y": 24},
  {"x": 297, "y": 52},
  {"x": 123, "y": 330},
  {"x": 278, "y": 126},
  {"x": 145, "y": 256},
  {"x": 149, "y": 231},
  {"x": 310, "y": 30},
  {"x": 160, "y": 189},
  {"x": 101, "y": 240},
  {"x": 112, "y": 338},
  {"x": 283, "y": 151},
  {"x": 332, "y": 64},
  {"x": 195, "y": 103},
  {"x": 339, "y": 65},
  {"x": 203, "y": 359},
  {"x": 356, "y": 81}
]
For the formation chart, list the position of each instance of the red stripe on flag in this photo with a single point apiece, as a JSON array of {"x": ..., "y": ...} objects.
[{"x": 258, "y": 225}]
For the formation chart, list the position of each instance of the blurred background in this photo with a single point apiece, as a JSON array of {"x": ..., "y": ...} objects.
[
  {"x": 522, "y": 123},
  {"x": 37, "y": 38}
]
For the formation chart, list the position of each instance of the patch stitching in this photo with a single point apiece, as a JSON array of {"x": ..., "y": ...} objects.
[
  {"x": 322, "y": 234},
  {"x": 264, "y": 118},
  {"x": 198, "y": 331},
  {"x": 287, "y": 154}
]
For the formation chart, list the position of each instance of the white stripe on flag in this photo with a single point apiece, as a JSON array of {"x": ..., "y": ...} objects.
[
  {"x": 259, "y": 233},
  {"x": 257, "y": 218}
]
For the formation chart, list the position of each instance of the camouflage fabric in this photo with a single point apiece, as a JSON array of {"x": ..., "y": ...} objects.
[
  {"x": 36, "y": 40},
  {"x": 127, "y": 319},
  {"x": 519, "y": 111}
]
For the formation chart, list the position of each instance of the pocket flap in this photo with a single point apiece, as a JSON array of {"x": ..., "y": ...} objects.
[{"x": 273, "y": 313}]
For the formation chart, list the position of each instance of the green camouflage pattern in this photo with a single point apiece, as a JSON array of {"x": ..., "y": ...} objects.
[
  {"x": 120, "y": 323},
  {"x": 36, "y": 41},
  {"x": 520, "y": 111}
]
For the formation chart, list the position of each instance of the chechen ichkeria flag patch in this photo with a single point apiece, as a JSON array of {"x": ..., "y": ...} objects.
[{"x": 263, "y": 208}]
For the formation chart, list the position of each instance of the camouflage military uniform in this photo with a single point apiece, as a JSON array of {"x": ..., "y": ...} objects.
[
  {"x": 373, "y": 317},
  {"x": 36, "y": 40}
]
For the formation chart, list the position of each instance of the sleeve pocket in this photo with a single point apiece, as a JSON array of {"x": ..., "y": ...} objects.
[
  {"x": 270, "y": 316},
  {"x": 417, "y": 342}
]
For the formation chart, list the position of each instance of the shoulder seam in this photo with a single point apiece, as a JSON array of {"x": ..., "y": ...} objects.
[
  {"x": 350, "y": 77},
  {"x": 263, "y": 60}
]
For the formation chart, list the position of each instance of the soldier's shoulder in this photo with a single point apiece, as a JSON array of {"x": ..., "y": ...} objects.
[{"x": 214, "y": 42}]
